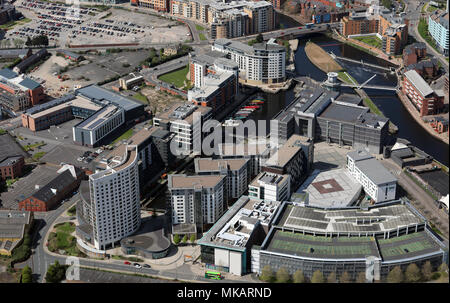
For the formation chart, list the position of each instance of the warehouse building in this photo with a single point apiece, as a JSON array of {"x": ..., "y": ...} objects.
[{"x": 14, "y": 225}]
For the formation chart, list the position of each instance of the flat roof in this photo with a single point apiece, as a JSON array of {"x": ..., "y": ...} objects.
[
  {"x": 64, "y": 103},
  {"x": 9, "y": 147},
  {"x": 287, "y": 151},
  {"x": 99, "y": 94},
  {"x": 186, "y": 109},
  {"x": 379, "y": 219},
  {"x": 343, "y": 112},
  {"x": 407, "y": 246},
  {"x": 209, "y": 164},
  {"x": 177, "y": 181},
  {"x": 269, "y": 178},
  {"x": 243, "y": 149},
  {"x": 371, "y": 167},
  {"x": 99, "y": 117},
  {"x": 319, "y": 247},
  {"x": 120, "y": 158},
  {"x": 331, "y": 188}
]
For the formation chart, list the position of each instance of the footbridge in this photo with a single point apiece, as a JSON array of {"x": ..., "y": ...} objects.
[{"x": 389, "y": 69}]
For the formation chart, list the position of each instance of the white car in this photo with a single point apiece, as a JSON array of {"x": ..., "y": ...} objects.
[{"x": 137, "y": 265}]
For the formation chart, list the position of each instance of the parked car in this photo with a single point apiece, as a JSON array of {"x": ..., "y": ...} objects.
[
  {"x": 146, "y": 266},
  {"x": 137, "y": 265},
  {"x": 126, "y": 263}
]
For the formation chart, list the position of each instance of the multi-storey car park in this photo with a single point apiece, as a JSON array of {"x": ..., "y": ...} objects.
[
  {"x": 255, "y": 233},
  {"x": 349, "y": 240}
]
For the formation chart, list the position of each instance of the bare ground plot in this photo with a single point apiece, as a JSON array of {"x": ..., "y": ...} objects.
[
  {"x": 95, "y": 276},
  {"x": 159, "y": 101},
  {"x": 96, "y": 68},
  {"x": 320, "y": 58}
]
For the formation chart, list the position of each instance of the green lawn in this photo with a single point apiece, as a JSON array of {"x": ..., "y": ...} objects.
[
  {"x": 126, "y": 135},
  {"x": 199, "y": 27},
  {"x": 370, "y": 40},
  {"x": 202, "y": 36},
  {"x": 176, "y": 77},
  {"x": 37, "y": 156},
  {"x": 11, "y": 24},
  {"x": 373, "y": 108},
  {"x": 347, "y": 78},
  {"x": 140, "y": 97},
  {"x": 33, "y": 146},
  {"x": 423, "y": 31},
  {"x": 62, "y": 239},
  {"x": 10, "y": 182},
  {"x": 2, "y": 131}
]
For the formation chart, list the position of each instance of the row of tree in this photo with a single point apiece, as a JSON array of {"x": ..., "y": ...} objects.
[
  {"x": 41, "y": 40},
  {"x": 177, "y": 239},
  {"x": 396, "y": 275}
]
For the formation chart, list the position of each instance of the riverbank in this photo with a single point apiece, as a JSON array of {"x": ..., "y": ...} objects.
[
  {"x": 415, "y": 114},
  {"x": 321, "y": 59}
]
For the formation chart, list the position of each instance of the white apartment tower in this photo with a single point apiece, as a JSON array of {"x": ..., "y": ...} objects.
[{"x": 111, "y": 207}]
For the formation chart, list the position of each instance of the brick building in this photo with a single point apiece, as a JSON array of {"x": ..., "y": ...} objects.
[
  {"x": 11, "y": 158},
  {"x": 158, "y": 5},
  {"x": 421, "y": 95},
  {"x": 46, "y": 198},
  {"x": 413, "y": 53}
]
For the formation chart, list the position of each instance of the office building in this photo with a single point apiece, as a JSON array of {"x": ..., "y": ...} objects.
[
  {"x": 17, "y": 92},
  {"x": 376, "y": 180},
  {"x": 271, "y": 187},
  {"x": 236, "y": 171},
  {"x": 195, "y": 201},
  {"x": 438, "y": 29},
  {"x": 131, "y": 80},
  {"x": 103, "y": 112},
  {"x": 421, "y": 95},
  {"x": 261, "y": 63},
  {"x": 319, "y": 116},
  {"x": 109, "y": 206}
]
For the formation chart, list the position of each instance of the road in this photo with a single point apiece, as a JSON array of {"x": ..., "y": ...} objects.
[
  {"x": 421, "y": 200},
  {"x": 413, "y": 13}
]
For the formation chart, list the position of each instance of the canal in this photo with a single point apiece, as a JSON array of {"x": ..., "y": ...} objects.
[{"x": 387, "y": 101}]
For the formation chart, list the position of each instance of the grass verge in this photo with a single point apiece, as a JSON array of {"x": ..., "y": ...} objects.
[
  {"x": 176, "y": 77},
  {"x": 126, "y": 135},
  {"x": 202, "y": 36}
]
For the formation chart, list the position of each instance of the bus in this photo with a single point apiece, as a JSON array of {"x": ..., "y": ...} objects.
[
  {"x": 309, "y": 25},
  {"x": 213, "y": 275}
]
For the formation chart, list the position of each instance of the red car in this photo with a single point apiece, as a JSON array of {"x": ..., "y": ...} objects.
[{"x": 127, "y": 263}]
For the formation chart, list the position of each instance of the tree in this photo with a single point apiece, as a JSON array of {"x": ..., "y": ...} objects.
[
  {"x": 361, "y": 278},
  {"x": 176, "y": 239},
  {"x": 55, "y": 273},
  {"x": 412, "y": 273},
  {"x": 331, "y": 278},
  {"x": 317, "y": 277},
  {"x": 26, "y": 274},
  {"x": 185, "y": 238},
  {"x": 28, "y": 42},
  {"x": 395, "y": 275},
  {"x": 283, "y": 275},
  {"x": 427, "y": 270},
  {"x": 192, "y": 239},
  {"x": 259, "y": 38},
  {"x": 267, "y": 274},
  {"x": 443, "y": 269},
  {"x": 345, "y": 278},
  {"x": 299, "y": 277}
]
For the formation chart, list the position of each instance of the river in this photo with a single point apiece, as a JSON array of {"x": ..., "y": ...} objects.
[{"x": 387, "y": 101}]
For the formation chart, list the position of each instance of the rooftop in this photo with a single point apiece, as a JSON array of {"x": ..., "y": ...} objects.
[
  {"x": 209, "y": 164},
  {"x": 191, "y": 182},
  {"x": 236, "y": 226},
  {"x": 287, "y": 151},
  {"x": 101, "y": 95},
  {"x": 269, "y": 179},
  {"x": 9, "y": 147},
  {"x": 183, "y": 111},
  {"x": 419, "y": 83},
  {"x": 371, "y": 167},
  {"x": 332, "y": 188},
  {"x": 350, "y": 220}
]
